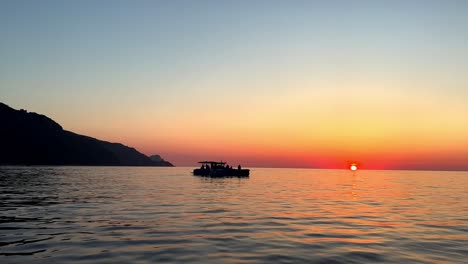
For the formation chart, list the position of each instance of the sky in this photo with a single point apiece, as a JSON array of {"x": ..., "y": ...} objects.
[{"x": 316, "y": 84}]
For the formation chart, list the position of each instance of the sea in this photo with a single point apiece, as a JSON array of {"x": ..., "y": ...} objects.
[{"x": 167, "y": 215}]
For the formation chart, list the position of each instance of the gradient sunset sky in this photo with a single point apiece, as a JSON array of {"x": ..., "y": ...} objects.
[{"x": 261, "y": 83}]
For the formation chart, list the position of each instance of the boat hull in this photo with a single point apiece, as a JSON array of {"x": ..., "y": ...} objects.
[{"x": 222, "y": 172}]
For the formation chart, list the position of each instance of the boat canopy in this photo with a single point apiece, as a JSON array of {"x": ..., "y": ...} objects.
[{"x": 212, "y": 162}]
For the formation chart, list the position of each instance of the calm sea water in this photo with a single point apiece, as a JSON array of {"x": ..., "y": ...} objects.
[{"x": 147, "y": 215}]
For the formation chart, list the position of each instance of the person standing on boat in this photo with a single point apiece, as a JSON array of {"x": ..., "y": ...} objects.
[{"x": 239, "y": 167}]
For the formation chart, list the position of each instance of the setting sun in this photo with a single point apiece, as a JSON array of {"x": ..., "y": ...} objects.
[{"x": 353, "y": 167}]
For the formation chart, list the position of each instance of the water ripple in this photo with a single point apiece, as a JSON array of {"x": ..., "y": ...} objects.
[{"x": 127, "y": 215}]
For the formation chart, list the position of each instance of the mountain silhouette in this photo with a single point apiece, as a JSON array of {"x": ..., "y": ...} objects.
[{"x": 28, "y": 138}]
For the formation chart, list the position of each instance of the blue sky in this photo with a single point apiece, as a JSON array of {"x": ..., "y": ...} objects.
[{"x": 88, "y": 64}]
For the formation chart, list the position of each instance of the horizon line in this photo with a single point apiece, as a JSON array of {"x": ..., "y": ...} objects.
[{"x": 259, "y": 167}]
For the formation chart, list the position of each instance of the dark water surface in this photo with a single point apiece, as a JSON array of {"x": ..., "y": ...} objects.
[{"x": 147, "y": 215}]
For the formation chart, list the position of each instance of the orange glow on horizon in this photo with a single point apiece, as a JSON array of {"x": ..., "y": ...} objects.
[{"x": 366, "y": 128}]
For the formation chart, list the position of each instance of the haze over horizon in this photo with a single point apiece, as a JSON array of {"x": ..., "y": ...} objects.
[{"x": 272, "y": 84}]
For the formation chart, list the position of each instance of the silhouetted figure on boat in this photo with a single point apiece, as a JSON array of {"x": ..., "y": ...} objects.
[{"x": 239, "y": 167}]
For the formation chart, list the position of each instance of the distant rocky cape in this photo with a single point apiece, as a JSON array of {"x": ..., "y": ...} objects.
[{"x": 34, "y": 139}]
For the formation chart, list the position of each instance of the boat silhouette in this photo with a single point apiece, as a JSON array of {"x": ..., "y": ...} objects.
[{"x": 220, "y": 169}]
